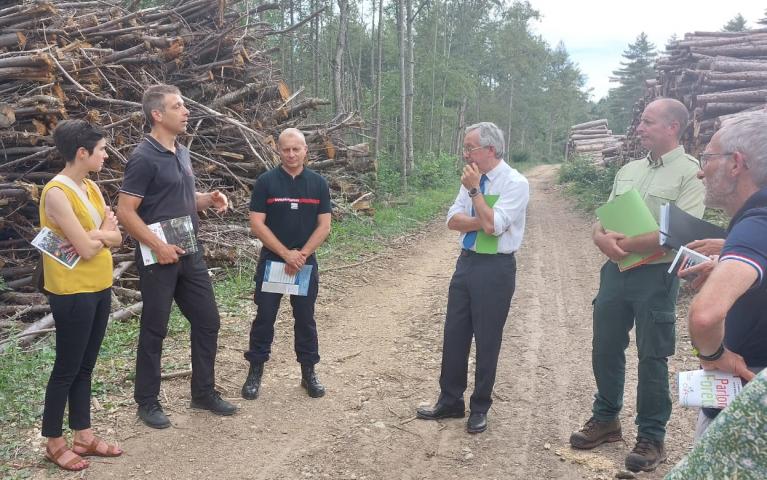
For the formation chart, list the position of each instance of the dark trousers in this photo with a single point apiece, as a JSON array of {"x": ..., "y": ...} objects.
[
  {"x": 81, "y": 320},
  {"x": 646, "y": 297},
  {"x": 304, "y": 327},
  {"x": 187, "y": 282},
  {"x": 478, "y": 303}
]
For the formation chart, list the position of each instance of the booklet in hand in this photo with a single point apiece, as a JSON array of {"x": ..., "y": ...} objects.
[
  {"x": 56, "y": 247},
  {"x": 686, "y": 258},
  {"x": 708, "y": 388},
  {"x": 678, "y": 228},
  {"x": 629, "y": 215},
  {"x": 276, "y": 280},
  {"x": 175, "y": 231}
]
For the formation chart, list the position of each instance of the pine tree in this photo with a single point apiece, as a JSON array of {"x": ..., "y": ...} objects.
[
  {"x": 736, "y": 24},
  {"x": 637, "y": 67}
]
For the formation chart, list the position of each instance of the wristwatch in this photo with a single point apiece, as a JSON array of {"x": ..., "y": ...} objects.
[{"x": 473, "y": 192}]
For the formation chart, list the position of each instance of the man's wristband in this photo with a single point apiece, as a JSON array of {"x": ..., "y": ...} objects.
[{"x": 709, "y": 358}]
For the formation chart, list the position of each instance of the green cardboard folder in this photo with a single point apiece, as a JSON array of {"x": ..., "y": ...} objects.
[
  {"x": 629, "y": 215},
  {"x": 487, "y": 243}
]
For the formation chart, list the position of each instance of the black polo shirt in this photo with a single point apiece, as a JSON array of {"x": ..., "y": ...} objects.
[
  {"x": 291, "y": 204},
  {"x": 163, "y": 180}
]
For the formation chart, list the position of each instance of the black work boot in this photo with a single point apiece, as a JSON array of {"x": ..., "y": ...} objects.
[
  {"x": 310, "y": 381},
  {"x": 214, "y": 403},
  {"x": 596, "y": 432},
  {"x": 646, "y": 455},
  {"x": 253, "y": 382}
]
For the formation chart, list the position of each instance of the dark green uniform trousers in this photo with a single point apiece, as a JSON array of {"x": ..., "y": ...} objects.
[{"x": 644, "y": 295}]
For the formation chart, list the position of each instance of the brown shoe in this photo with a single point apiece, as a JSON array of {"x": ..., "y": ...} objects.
[
  {"x": 595, "y": 432},
  {"x": 646, "y": 455}
]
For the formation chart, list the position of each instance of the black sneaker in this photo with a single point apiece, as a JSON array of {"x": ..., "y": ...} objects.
[
  {"x": 646, "y": 455},
  {"x": 215, "y": 404},
  {"x": 596, "y": 432},
  {"x": 152, "y": 415}
]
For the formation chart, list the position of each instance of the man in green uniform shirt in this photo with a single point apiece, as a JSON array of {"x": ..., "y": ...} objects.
[{"x": 644, "y": 295}]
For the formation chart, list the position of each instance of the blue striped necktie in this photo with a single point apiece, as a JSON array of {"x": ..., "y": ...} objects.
[{"x": 471, "y": 237}]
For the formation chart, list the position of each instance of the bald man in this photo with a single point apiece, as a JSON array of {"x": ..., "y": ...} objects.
[
  {"x": 290, "y": 213},
  {"x": 644, "y": 296}
]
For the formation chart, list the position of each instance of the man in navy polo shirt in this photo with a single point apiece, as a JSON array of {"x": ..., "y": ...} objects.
[
  {"x": 728, "y": 316},
  {"x": 159, "y": 185},
  {"x": 290, "y": 213}
]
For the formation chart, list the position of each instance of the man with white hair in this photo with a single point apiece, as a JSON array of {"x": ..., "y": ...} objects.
[
  {"x": 290, "y": 213},
  {"x": 644, "y": 296},
  {"x": 492, "y": 200},
  {"x": 728, "y": 316}
]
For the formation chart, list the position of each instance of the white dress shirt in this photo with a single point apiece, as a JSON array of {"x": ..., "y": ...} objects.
[{"x": 508, "y": 211}]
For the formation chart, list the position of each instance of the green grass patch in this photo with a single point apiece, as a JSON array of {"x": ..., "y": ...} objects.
[{"x": 588, "y": 184}]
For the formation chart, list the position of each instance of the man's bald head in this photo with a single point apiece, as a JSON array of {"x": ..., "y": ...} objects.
[{"x": 673, "y": 112}]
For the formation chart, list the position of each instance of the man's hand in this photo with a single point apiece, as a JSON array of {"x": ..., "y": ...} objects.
[
  {"x": 294, "y": 261},
  {"x": 730, "y": 362},
  {"x": 219, "y": 202},
  {"x": 698, "y": 274},
  {"x": 167, "y": 254},
  {"x": 471, "y": 176},
  {"x": 607, "y": 243},
  {"x": 708, "y": 246}
]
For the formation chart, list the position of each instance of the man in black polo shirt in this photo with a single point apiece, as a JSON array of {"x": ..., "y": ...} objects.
[
  {"x": 728, "y": 316},
  {"x": 159, "y": 185},
  {"x": 289, "y": 213}
]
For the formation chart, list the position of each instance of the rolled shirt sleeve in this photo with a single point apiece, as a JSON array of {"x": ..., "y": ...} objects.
[{"x": 510, "y": 205}]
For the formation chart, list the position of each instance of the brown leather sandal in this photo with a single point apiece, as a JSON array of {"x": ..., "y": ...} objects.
[
  {"x": 92, "y": 449},
  {"x": 55, "y": 456}
]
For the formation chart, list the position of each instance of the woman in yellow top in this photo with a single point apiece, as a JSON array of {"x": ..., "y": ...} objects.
[{"x": 72, "y": 207}]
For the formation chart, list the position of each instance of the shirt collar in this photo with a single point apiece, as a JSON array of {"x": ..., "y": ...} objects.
[
  {"x": 160, "y": 147},
  {"x": 758, "y": 199},
  {"x": 493, "y": 174},
  {"x": 666, "y": 158}
]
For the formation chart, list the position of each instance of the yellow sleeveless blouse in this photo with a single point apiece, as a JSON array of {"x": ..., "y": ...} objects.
[{"x": 87, "y": 276}]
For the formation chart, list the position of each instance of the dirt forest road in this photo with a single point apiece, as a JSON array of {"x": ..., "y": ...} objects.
[{"x": 380, "y": 330}]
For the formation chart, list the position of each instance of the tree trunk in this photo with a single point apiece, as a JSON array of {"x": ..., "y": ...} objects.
[
  {"x": 401, "y": 27},
  {"x": 343, "y": 20},
  {"x": 410, "y": 87},
  {"x": 378, "y": 82}
]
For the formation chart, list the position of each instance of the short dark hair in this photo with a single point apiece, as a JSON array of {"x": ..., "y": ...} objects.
[
  {"x": 71, "y": 135},
  {"x": 153, "y": 100}
]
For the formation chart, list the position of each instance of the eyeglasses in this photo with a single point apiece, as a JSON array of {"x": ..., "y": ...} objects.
[
  {"x": 469, "y": 150},
  {"x": 705, "y": 157}
]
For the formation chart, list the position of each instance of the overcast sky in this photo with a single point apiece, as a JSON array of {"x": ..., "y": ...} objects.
[{"x": 596, "y": 32}]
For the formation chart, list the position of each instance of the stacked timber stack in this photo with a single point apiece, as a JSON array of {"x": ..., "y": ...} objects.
[
  {"x": 93, "y": 60},
  {"x": 717, "y": 75},
  {"x": 595, "y": 141}
]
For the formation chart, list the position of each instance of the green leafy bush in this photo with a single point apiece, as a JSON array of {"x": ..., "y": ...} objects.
[
  {"x": 520, "y": 157},
  {"x": 590, "y": 184}
]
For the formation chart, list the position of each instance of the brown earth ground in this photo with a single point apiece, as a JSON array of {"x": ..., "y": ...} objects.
[{"x": 380, "y": 327}]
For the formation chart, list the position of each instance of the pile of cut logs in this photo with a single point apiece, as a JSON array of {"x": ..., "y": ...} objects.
[
  {"x": 93, "y": 59},
  {"x": 595, "y": 141},
  {"x": 717, "y": 75}
]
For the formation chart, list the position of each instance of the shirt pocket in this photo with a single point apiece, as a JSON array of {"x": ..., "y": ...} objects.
[
  {"x": 622, "y": 186},
  {"x": 657, "y": 196}
]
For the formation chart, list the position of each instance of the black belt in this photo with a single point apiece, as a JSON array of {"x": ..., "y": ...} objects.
[{"x": 466, "y": 253}]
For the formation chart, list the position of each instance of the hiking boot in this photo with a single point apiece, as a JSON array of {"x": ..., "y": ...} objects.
[
  {"x": 253, "y": 382},
  {"x": 646, "y": 455},
  {"x": 310, "y": 381},
  {"x": 152, "y": 415},
  {"x": 595, "y": 432},
  {"x": 214, "y": 403}
]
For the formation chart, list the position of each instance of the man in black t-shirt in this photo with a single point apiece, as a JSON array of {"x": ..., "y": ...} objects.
[
  {"x": 290, "y": 213},
  {"x": 159, "y": 185}
]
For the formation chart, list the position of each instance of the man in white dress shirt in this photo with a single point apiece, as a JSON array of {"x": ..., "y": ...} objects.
[{"x": 491, "y": 206}]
